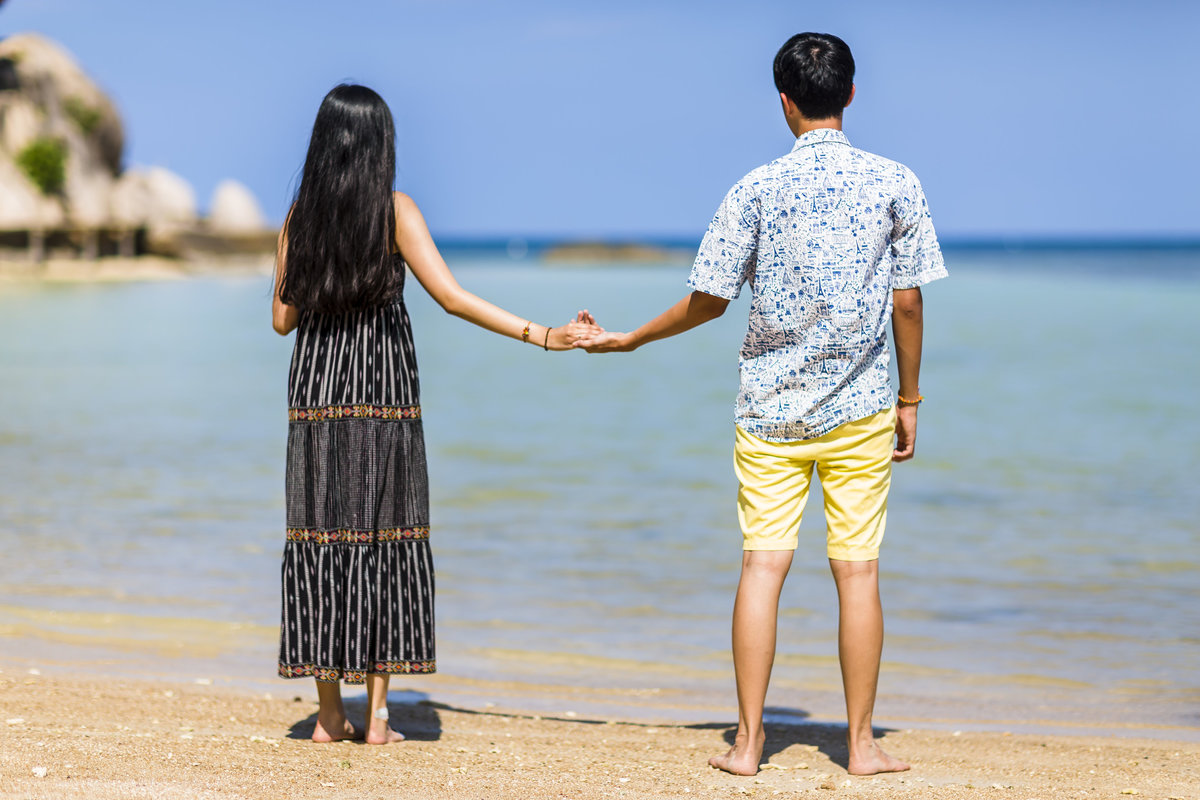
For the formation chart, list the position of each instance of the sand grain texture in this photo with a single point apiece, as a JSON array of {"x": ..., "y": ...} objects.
[{"x": 114, "y": 739}]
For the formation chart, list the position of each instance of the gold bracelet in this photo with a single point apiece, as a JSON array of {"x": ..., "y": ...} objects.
[
  {"x": 900, "y": 401},
  {"x": 525, "y": 333}
]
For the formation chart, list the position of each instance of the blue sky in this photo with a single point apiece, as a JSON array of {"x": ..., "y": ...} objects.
[{"x": 627, "y": 119}]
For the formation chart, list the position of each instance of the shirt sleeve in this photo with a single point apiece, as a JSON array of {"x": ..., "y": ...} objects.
[
  {"x": 729, "y": 250},
  {"x": 916, "y": 255}
]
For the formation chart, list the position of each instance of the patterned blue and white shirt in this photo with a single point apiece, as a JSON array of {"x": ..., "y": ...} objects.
[{"x": 823, "y": 235}]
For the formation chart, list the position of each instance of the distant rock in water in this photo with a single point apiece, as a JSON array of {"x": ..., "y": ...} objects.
[
  {"x": 235, "y": 210},
  {"x": 612, "y": 252}
]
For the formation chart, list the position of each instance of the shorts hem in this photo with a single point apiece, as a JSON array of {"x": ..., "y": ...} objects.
[
  {"x": 853, "y": 555},
  {"x": 749, "y": 546}
]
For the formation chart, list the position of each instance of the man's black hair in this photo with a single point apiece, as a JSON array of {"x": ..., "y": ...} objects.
[{"x": 816, "y": 71}]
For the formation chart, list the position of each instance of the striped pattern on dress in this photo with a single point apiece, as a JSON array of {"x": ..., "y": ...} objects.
[
  {"x": 357, "y": 575},
  {"x": 363, "y": 357}
]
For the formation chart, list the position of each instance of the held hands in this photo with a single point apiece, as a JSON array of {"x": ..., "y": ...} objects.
[
  {"x": 599, "y": 340},
  {"x": 567, "y": 337},
  {"x": 582, "y": 333},
  {"x": 606, "y": 342}
]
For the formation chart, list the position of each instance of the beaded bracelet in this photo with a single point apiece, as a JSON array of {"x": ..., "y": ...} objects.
[
  {"x": 900, "y": 401},
  {"x": 525, "y": 333}
]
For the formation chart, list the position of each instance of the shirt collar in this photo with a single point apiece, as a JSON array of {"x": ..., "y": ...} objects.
[{"x": 820, "y": 135}]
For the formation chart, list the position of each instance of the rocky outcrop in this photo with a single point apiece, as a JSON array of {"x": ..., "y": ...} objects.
[
  {"x": 61, "y": 160},
  {"x": 60, "y": 135}
]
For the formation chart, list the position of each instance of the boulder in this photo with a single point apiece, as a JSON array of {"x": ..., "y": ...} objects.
[
  {"x": 49, "y": 107},
  {"x": 173, "y": 199},
  {"x": 89, "y": 194},
  {"x": 234, "y": 210},
  {"x": 154, "y": 197},
  {"x": 130, "y": 203},
  {"x": 22, "y": 206},
  {"x": 21, "y": 124},
  {"x": 72, "y": 105}
]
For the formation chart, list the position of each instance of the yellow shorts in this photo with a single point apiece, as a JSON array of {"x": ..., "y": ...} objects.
[{"x": 854, "y": 464}]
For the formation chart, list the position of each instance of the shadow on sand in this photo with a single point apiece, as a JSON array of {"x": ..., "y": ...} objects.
[
  {"x": 786, "y": 727},
  {"x": 412, "y": 714},
  {"x": 416, "y": 716}
]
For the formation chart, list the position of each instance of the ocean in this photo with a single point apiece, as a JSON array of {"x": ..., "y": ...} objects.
[{"x": 1041, "y": 569}]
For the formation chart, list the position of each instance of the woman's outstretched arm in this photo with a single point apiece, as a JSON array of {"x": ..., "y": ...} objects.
[{"x": 418, "y": 250}]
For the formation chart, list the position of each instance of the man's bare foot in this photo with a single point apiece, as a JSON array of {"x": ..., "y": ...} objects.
[
  {"x": 871, "y": 760},
  {"x": 380, "y": 732},
  {"x": 743, "y": 757},
  {"x": 321, "y": 733}
]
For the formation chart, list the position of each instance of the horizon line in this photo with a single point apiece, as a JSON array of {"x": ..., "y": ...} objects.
[{"x": 953, "y": 242}]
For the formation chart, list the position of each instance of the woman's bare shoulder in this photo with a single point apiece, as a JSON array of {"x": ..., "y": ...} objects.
[
  {"x": 409, "y": 220},
  {"x": 405, "y": 205}
]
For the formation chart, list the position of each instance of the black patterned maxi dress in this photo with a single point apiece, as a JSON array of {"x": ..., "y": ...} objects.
[{"x": 357, "y": 571}]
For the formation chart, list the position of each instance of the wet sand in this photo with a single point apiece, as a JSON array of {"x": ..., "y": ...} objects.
[{"x": 76, "y": 737}]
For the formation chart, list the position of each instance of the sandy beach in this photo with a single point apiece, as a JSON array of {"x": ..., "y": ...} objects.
[
  {"x": 76, "y": 737},
  {"x": 121, "y": 270}
]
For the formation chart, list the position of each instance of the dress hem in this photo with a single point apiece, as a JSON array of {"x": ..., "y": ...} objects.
[{"x": 356, "y": 676}]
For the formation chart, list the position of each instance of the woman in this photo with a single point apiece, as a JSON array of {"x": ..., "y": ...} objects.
[{"x": 357, "y": 573}]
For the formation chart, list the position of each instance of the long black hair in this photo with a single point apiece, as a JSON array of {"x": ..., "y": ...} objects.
[{"x": 342, "y": 226}]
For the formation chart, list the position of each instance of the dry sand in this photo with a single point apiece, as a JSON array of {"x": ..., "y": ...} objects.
[{"x": 84, "y": 738}]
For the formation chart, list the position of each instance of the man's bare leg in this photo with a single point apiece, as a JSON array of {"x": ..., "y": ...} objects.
[
  {"x": 332, "y": 725},
  {"x": 755, "y": 613},
  {"x": 379, "y": 731},
  {"x": 860, "y": 644}
]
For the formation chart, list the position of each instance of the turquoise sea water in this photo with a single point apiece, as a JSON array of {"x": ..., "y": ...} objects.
[{"x": 1042, "y": 562}]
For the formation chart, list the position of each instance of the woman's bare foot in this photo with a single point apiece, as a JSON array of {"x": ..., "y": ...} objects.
[
  {"x": 380, "y": 732},
  {"x": 378, "y": 729},
  {"x": 321, "y": 733},
  {"x": 871, "y": 760},
  {"x": 743, "y": 757}
]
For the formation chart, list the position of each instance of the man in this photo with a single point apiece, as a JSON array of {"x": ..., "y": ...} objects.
[{"x": 835, "y": 243}]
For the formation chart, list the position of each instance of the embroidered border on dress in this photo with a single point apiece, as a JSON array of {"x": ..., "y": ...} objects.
[
  {"x": 325, "y": 413},
  {"x": 335, "y": 674},
  {"x": 357, "y": 537}
]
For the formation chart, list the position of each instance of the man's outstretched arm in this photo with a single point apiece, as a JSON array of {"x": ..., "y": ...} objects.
[
  {"x": 907, "y": 329},
  {"x": 695, "y": 309}
]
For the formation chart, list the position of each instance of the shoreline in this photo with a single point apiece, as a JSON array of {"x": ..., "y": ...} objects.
[
  {"x": 239, "y": 656},
  {"x": 121, "y": 270},
  {"x": 82, "y": 737}
]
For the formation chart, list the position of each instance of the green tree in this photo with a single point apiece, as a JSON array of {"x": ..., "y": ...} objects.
[{"x": 44, "y": 162}]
